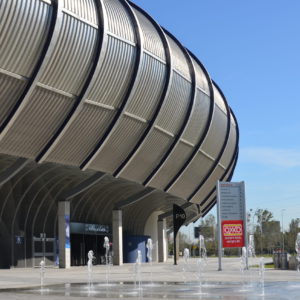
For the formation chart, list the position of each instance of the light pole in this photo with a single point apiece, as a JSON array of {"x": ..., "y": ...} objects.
[
  {"x": 261, "y": 232},
  {"x": 282, "y": 211}
]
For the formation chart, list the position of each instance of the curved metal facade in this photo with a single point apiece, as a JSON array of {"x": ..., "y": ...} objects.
[{"x": 99, "y": 85}]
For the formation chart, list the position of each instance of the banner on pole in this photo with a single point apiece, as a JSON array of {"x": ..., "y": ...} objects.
[{"x": 233, "y": 233}]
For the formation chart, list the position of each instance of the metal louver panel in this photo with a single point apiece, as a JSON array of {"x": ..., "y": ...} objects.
[
  {"x": 152, "y": 40},
  {"x": 171, "y": 166},
  {"x": 216, "y": 134},
  {"x": 231, "y": 144},
  {"x": 140, "y": 143},
  {"x": 208, "y": 185},
  {"x": 205, "y": 132},
  {"x": 206, "y": 203},
  {"x": 191, "y": 177},
  {"x": 176, "y": 105},
  {"x": 84, "y": 9},
  {"x": 222, "y": 169},
  {"x": 72, "y": 57},
  {"x": 226, "y": 176},
  {"x": 222, "y": 150},
  {"x": 38, "y": 121},
  {"x": 10, "y": 91},
  {"x": 189, "y": 110},
  {"x": 198, "y": 119},
  {"x": 149, "y": 89},
  {"x": 148, "y": 156},
  {"x": 81, "y": 136},
  {"x": 119, "y": 145},
  {"x": 179, "y": 60},
  {"x": 114, "y": 78},
  {"x": 201, "y": 79},
  {"x": 24, "y": 28},
  {"x": 219, "y": 100},
  {"x": 119, "y": 21}
]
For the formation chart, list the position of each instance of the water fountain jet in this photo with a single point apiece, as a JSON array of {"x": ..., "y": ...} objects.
[
  {"x": 149, "y": 247},
  {"x": 42, "y": 273},
  {"x": 91, "y": 257},
  {"x": 262, "y": 275},
  {"x": 137, "y": 269},
  {"x": 202, "y": 261},
  {"x": 186, "y": 255},
  {"x": 106, "y": 245}
]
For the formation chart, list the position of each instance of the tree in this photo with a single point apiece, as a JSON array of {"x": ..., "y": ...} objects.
[
  {"x": 267, "y": 231},
  {"x": 291, "y": 235},
  {"x": 263, "y": 215},
  {"x": 208, "y": 230},
  {"x": 184, "y": 241},
  {"x": 207, "y": 227}
]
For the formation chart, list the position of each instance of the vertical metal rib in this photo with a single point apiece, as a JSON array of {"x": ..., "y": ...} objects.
[
  {"x": 217, "y": 160},
  {"x": 205, "y": 132},
  {"x": 56, "y": 22},
  {"x": 179, "y": 134},
  {"x": 78, "y": 105},
  {"x": 134, "y": 79},
  {"x": 164, "y": 95}
]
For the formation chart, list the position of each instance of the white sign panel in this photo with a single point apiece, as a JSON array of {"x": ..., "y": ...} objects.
[{"x": 232, "y": 200}]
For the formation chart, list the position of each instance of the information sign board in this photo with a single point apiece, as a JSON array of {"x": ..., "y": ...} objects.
[{"x": 231, "y": 215}]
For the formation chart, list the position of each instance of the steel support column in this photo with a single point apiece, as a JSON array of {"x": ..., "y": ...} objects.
[
  {"x": 64, "y": 234},
  {"x": 117, "y": 231}
]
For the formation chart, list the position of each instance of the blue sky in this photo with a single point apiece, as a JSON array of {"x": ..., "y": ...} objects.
[{"x": 252, "y": 50}]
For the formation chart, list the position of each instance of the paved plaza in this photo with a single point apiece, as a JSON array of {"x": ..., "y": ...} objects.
[{"x": 15, "y": 279}]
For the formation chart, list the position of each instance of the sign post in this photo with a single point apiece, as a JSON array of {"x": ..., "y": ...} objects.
[
  {"x": 231, "y": 208},
  {"x": 179, "y": 218}
]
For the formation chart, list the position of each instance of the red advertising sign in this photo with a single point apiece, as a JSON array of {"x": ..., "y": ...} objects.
[{"x": 233, "y": 233}]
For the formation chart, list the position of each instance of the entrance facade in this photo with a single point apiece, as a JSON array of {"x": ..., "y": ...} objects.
[
  {"x": 86, "y": 237},
  {"x": 44, "y": 248}
]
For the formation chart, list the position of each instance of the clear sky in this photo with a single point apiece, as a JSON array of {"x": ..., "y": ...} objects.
[{"x": 252, "y": 50}]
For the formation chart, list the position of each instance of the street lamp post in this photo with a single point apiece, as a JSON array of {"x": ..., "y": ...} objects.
[
  {"x": 282, "y": 211},
  {"x": 261, "y": 233}
]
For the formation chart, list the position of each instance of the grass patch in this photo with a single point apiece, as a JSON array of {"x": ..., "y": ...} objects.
[{"x": 267, "y": 266}]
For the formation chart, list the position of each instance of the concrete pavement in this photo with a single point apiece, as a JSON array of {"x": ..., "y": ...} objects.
[{"x": 157, "y": 272}]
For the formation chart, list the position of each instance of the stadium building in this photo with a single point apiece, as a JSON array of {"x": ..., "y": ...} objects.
[{"x": 106, "y": 121}]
